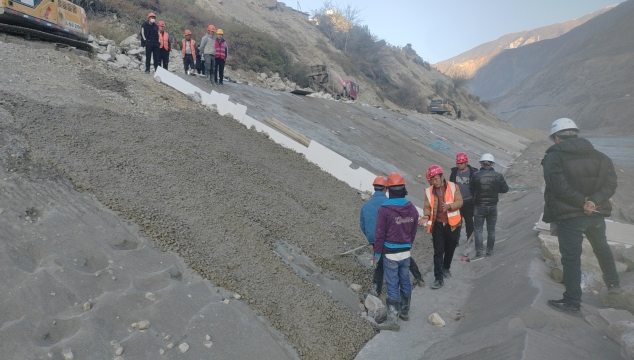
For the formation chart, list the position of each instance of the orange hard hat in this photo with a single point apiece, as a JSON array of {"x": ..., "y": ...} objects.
[
  {"x": 395, "y": 179},
  {"x": 187, "y": 32},
  {"x": 380, "y": 181},
  {"x": 151, "y": 15},
  {"x": 433, "y": 171},
  {"x": 161, "y": 23},
  {"x": 211, "y": 28}
]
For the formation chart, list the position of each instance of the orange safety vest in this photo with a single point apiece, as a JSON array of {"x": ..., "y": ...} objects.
[
  {"x": 192, "y": 45},
  {"x": 454, "y": 217},
  {"x": 164, "y": 41}
]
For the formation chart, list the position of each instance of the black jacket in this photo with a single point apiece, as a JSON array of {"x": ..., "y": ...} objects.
[
  {"x": 574, "y": 171},
  {"x": 485, "y": 185},
  {"x": 454, "y": 171},
  {"x": 149, "y": 34}
]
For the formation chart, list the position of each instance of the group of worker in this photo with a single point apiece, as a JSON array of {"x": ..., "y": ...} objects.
[
  {"x": 390, "y": 224},
  {"x": 579, "y": 183},
  {"x": 212, "y": 51}
]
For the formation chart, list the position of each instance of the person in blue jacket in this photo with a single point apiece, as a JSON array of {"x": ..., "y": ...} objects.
[{"x": 369, "y": 211}]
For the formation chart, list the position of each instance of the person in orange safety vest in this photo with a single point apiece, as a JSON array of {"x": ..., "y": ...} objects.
[
  {"x": 442, "y": 218},
  {"x": 165, "y": 45}
]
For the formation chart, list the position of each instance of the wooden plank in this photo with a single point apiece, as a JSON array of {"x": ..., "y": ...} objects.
[{"x": 300, "y": 138}]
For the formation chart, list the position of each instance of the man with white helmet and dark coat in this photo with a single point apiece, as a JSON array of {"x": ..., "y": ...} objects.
[
  {"x": 579, "y": 184},
  {"x": 485, "y": 185},
  {"x": 393, "y": 237}
]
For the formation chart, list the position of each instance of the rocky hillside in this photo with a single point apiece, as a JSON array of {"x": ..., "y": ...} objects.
[
  {"x": 584, "y": 74},
  {"x": 469, "y": 62}
]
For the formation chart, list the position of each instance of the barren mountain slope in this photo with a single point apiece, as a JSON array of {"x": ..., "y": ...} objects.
[
  {"x": 591, "y": 84},
  {"x": 469, "y": 62}
]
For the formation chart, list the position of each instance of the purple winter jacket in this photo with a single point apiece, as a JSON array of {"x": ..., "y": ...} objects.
[{"x": 396, "y": 226}]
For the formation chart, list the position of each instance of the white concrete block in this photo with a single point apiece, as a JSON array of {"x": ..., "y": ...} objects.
[
  {"x": 227, "y": 108},
  {"x": 239, "y": 112},
  {"x": 213, "y": 98},
  {"x": 339, "y": 167},
  {"x": 274, "y": 135}
]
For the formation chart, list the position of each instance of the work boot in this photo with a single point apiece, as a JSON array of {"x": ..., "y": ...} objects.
[
  {"x": 614, "y": 289},
  {"x": 437, "y": 284},
  {"x": 566, "y": 307},
  {"x": 478, "y": 256},
  {"x": 405, "y": 302},
  {"x": 446, "y": 273},
  {"x": 392, "y": 316},
  {"x": 419, "y": 282},
  {"x": 147, "y": 71}
]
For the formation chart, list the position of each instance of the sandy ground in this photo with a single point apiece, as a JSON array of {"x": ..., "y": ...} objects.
[{"x": 121, "y": 167}]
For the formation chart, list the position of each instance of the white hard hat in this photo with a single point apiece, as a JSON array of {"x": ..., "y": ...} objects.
[
  {"x": 487, "y": 157},
  {"x": 562, "y": 124}
]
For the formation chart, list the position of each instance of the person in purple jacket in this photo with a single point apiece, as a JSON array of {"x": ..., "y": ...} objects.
[{"x": 396, "y": 227}]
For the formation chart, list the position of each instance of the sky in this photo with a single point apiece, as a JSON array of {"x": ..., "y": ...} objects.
[{"x": 441, "y": 29}]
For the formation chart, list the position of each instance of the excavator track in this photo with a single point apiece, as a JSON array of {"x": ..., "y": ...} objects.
[{"x": 41, "y": 35}]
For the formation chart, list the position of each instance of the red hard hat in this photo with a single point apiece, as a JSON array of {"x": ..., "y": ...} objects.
[
  {"x": 461, "y": 158},
  {"x": 211, "y": 28},
  {"x": 395, "y": 179},
  {"x": 161, "y": 23},
  {"x": 433, "y": 171},
  {"x": 151, "y": 15},
  {"x": 187, "y": 32},
  {"x": 380, "y": 181}
]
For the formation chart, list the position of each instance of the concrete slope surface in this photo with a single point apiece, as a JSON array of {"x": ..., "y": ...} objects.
[{"x": 469, "y": 62}]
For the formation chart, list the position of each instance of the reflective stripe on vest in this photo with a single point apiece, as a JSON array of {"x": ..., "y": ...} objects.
[
  {"x": 220, "y": 50},
  {"x": 192, "y": 45},
  {"x": 453, "y": 217},
  {"x": 164, "y": 41}
]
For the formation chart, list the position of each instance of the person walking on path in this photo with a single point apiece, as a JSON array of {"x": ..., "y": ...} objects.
[
  {"x": 442, "y": 217},
  {"x": 579, "y": 184},
  {"x": 188, "y": 50},
  {"x": 393, "y": 237},
  {"x": 367, "y": 221},
  {"x": 220, "y": 56},
  {"x": 150, "y": 40},
  {"x": 485, "y": 186},
  {"x": 208, "y": 51},
  {"x": 461, "y": 175},
  {"x": 165, "y": 45}
]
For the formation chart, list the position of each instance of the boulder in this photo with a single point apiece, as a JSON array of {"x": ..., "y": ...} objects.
[
  {"x": 195, "y": 97},
  {"x": 376, "y": 309},
  {"x": 130, "y": 40},
  {"x": 628, "y": 258},
  {"x": 115, "y": 65},
  {"x": 624, "y": 300},
  {"x": 104, "y": 57},
  {"x": 616, "y": 330},
  {"x": 135, "y": 51},
  {"x": 627, "y": 345},
  {"x": 122, "y": 59}
]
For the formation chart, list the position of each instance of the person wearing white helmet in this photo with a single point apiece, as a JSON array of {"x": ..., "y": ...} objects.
[
  {"x": 485, "y": 185},
  {"x": 579, "y": 184}
]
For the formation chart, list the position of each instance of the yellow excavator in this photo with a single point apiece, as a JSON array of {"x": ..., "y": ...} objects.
[{"x": 59, "y": 21}]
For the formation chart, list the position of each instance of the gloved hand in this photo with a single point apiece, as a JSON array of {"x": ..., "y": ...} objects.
[{"x": 375, "y": 260}]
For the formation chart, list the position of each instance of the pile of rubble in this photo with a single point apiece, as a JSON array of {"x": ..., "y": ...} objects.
[{"x": 275, "y": 82}]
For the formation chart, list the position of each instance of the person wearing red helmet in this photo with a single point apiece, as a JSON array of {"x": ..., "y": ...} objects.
[
  {"x": 165, "y": 45},
  {"x": 393, "y": 237},
  {"x": 150, "y": 40},
  {"x": 188, "y": 52},
  {"x": 442, "y": 217},
  {"x": 367, "y": 221},
  {"x": 208, "y": 51},
  {"x": 461, "y": 175}
]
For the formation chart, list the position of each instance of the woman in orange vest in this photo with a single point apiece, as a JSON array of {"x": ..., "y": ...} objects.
[
  {"x": 188, "y": 51},
  {"x": 165, "y": 45},
  {"x": 442, "y": 217}
]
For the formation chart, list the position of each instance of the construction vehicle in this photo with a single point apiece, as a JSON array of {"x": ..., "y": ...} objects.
[
  {"x": 322, "y": 79},
  {"x": 58, "y": 21},
  {"x": 442, "y": 107}
]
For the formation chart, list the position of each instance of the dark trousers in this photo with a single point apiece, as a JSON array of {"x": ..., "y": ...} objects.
[
  {"x": 188, "y": 62},
  {"x": 219, "y": 72},
  {"x": 200, "y": 65},
  {"x": 151, "y": 51},
  {"x": 164, "y": 58},
  {"x": 480, "y": 215},
  {"x": 445, "y": 242},
  {"x": 209, "y": 66},
  {"x": 377, "y": 278},
  {"x": 570, "y": 235},
  {"x": 466, "y": 212}
]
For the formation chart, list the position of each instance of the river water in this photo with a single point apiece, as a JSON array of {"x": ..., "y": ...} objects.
[{"x": 619, "y": 149}]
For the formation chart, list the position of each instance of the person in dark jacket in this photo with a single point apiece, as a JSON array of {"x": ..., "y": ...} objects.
[
  {"x": 442, "y": 218},
  {"x": 579, "y": 184},
  {"x": 150, "y": 39},
  {"x": 485, "y": 185},
  {"x": 393, "y": 237},
  {"x": 461, "y": 175},
  {"x": 221, "y": 55},
  {"x": 367, "y": 222},
  {"x": 200, "y": 62}
]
